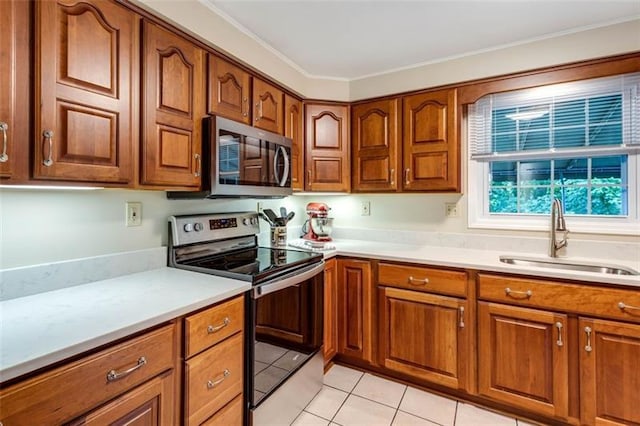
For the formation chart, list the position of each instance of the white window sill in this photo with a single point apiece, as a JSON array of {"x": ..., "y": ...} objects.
[{"x": 623, "y": 226}]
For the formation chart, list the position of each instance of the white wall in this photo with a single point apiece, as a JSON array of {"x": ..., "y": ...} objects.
[{"x": 41, "y": 226}]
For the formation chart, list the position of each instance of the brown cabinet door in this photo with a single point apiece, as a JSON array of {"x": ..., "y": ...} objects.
[
  {"x": 293, "y": 128},
  {"x": 14, "y": 90},
  {"x": 424, "y": 336},
  {"x": 375, "y": 146},
  {"x": 610, "y": 380},
  {"x": 431, "y": 152},
  {"x": 330, "y": 309},
  {"x": 229, "y": 90},
  {"x": 268, "y": 107},
  {"x": 152, "y": 404},
  {"x": 355, "y": 305},
  {"x": 327, "y": 157},
  {"x": 86, "y": 85},
  {"x": 523, "y": 358},
  {"x": 173, "y": 107}
]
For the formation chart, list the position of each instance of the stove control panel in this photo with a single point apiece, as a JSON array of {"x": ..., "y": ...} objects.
[{"x": 189, "y": 229}]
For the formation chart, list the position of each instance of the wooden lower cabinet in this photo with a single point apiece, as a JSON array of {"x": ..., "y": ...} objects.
[
  {"x": 149, "y": 404},
  {"x": 610, "y": 379},
  {"x": 355, "y": 306},
  {"x": 523, "y": 358},
  {"x": 425, "y": 336},
  {"x": 230, "y": 414},
  {"x": 330, "y": 309}
]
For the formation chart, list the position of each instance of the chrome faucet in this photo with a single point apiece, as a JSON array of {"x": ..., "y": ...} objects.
[{"x": 557, "y": 225}]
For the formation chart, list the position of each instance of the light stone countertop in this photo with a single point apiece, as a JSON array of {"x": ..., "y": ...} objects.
[{"x": 41, "y": 329}]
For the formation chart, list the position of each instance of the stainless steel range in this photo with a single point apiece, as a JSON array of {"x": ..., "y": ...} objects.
[{"x": 283, "y": 332}]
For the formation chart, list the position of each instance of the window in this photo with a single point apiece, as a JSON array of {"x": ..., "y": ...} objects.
[{"x": 577, "y": 142}]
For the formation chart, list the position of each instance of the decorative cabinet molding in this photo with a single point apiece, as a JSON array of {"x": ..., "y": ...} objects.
[
  {"x": 376, "y": 153},
  {"x": 355, "y": 305},
  {"x": 173, "y": 107},
  {"x": 327, "y": 153},
  {"x": 86, "y": 86},
  {"x": 330, "y": 310}
]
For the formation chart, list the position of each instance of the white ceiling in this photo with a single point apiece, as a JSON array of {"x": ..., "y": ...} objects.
[{"x": 350, "y": 39}]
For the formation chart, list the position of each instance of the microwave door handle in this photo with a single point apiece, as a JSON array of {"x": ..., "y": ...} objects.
[
  {"x": 275, "y": 165},
  {"x": 289, "y": 281},
  {"x": 285, "y": 173}
]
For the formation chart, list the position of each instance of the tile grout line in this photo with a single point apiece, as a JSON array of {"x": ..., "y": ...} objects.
[
  {"x": 345, "y": 400},
  {"x": 399, "y": 404}
]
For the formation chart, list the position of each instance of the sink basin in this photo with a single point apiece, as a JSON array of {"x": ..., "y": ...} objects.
[{"x": 568, "y": 265}]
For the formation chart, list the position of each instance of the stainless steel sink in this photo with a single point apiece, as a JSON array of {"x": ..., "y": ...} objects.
[{"x": 568, "y": 265}]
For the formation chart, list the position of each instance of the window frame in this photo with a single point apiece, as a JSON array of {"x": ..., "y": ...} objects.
[{"x": 477, "y": 185}]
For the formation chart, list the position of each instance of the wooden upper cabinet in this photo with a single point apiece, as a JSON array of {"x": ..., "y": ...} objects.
[
  {"x": 14, "y": 90},
  {"x": 268, "y": 106},
  {"x": 330, "y": 329},
  {"x": 431, "y": 151},
  {"x": 523, "y": 358},
  {"x": 610, "y": 382},
  {"x": 327, "y": 156},
  {"x": 293, "y": 128},
  {"x": 375, "y": 146},
  {"x": 173, "y": 108},
  {"x": 229, "y": 90},
  {"x": 86, "y": 86}
]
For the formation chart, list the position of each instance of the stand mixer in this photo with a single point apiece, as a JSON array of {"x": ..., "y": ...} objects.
[{"x": 319, "y": 225}]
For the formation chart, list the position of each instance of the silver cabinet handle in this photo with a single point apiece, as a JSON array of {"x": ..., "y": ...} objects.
[
  {"x": 199, "y": 165},
  {"x": 406, "y": 176},
  {"x": 212, "y": 329},
  {"x": 392, "y": 174},
  {"x": 309, "y": 177},
  {"x": 461, "y": 310},
  {"x": 258, "y": 110},
  {"x": 48, "y": 136},
  {"x": 588, "y": 347},
  {"x": 559, "y": 342},
  {"x": 4, "y": 157},
  {"x": 245, "y": 107},
  {"x": 113, "y": 375},
  {"x": 624, "y": 306},
  {"x": 518, "y": 294},
  {"x": 416, "y": 281},
  {"x": 213, "y": 383}
]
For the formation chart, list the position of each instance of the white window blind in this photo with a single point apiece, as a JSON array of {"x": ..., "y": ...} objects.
[{"x": 596, "y": 117}]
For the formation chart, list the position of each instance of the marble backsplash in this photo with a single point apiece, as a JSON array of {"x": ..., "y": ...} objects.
[{"x": 28, "y": 280}]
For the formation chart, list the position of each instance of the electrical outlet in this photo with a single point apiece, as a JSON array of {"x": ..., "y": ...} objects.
[
  {"x": 259, "y": 207},
  {"x": 133, "y": 213},
  {"x": 365, "y": 208},
  {"x": 451, "y": 209}
]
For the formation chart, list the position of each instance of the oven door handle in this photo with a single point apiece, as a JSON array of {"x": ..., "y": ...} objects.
[{"x": 288, "y": 281}]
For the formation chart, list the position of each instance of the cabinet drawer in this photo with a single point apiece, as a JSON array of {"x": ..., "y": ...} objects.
[
  {"x": 213, "y": 378},
  {"x": 581, "y": 299},
  {"x": 230, "y": 415},
  {"x": 68, "y": 391},
  {"x": 209, "y": 327},
  {"x": 419, "y": 278}
]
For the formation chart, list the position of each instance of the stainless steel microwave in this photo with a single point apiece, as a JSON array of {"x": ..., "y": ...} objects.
[{"x": 242, "y": 161}]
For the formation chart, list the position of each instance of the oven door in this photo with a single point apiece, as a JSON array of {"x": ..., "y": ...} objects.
[
  {"x": 284, "y": 337},
  {"x": 248, "y": 161}
]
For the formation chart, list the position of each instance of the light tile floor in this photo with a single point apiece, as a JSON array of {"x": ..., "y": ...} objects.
[{"x": 350, "y": 397}]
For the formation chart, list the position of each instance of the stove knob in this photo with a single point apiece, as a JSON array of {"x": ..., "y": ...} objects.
[
  {"x": 246, "y": 221},
  {"x": 198, "y": 227},
  {"x": 254, "y": 220},
  {"x": 188, "y": 227}
]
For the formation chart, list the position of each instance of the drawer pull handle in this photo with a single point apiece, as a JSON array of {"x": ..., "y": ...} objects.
[
  {"x": 559, "y": 342},
  {"x": 461, "y": 309},
  {"x": 4, "y": 157},
  {"x": 225, "y": 322},
  {"x": 518, "y": 294},
  {"x": 416, "y": 281},
  {"x": 113, "y": 375},
  {"x": 48, "y": 136},
  {"x": 213, "y": 383},
  {"x": 624, "y": 306},
  {"x": 588, "y": 347},
  {"x": 198, "y": 171}
]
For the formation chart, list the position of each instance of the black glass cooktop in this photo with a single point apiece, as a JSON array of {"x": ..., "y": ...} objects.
[{"x": 256, "y": 264}]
